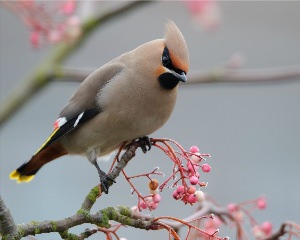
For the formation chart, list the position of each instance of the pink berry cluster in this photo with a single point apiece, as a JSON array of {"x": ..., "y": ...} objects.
[
  {"x": 187, "y": 192},
  {"x": 150, "y": 202},
  {"x": 211, "y": 227},
  {"x": 185, "y": 176},
  {"x": 153, "y": 199},
  {"x": 239, "y": 211},
  {"x": 263, "y": 230}
]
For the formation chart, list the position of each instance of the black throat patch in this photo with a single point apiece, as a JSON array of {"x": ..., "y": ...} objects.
[{"x": 168, "y": 81}]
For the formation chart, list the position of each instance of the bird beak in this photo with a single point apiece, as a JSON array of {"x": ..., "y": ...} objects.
[{"x": 180, "y": 76}]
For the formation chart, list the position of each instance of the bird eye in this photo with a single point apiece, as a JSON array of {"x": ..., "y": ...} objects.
[{"x": 166, "y": 60}]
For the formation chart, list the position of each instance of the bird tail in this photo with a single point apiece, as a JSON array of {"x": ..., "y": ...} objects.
[{"x": 26, "y": 172}]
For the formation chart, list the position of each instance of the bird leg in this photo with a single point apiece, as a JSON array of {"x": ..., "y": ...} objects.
[
  {"x": 105, "y": 179},
  {"x": 144, "y": 143}
]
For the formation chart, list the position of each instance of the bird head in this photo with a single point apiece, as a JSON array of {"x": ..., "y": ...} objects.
[{"x": 174, "y": 58}]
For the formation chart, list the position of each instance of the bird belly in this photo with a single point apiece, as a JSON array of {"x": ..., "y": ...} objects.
[
  {"x": 108, "y": 130},
  {"x": 125, "y": 116}
]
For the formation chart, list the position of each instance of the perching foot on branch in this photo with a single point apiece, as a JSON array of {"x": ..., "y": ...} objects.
[
  {"x": 105, "y": 180},
  {"x": 144, "y": 143}
]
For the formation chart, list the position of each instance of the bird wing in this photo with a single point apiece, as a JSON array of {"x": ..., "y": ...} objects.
[
  {"x": 82, "y": 106},
  {"x": 63, "y": 126}
]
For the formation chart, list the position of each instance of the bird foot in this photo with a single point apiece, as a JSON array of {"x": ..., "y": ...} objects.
[
  {"x": 144, "y": 143},
  {"x": 105, "y": 181}
]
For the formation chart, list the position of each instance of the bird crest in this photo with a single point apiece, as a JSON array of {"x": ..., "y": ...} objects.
[{"x": 177, "y": 47}]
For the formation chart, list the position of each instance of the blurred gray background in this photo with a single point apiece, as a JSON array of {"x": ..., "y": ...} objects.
[{"x": 251, "y": 130}]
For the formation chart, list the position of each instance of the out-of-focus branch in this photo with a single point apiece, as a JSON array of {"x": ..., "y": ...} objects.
[
  {"x": 221, "y": 74},
  {"x": 42, "y": 75},
  {"x": 7, "y": 224},
  {"x": 245, "y": 75},
  {"x": 205, "y": 208},
  {"x": 283, "y": 230}
]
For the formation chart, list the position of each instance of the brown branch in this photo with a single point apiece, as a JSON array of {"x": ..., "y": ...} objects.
[
  {"x": 205, "y": 209},
  {"x": 61, "y": 226},
  {"x": 283, "y": 230},
  {"x": 124, "y": 215},
  {"x": 10, "y": 231}
]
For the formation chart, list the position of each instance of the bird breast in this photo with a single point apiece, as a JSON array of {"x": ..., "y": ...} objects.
[{"x": 136, "y": 103}]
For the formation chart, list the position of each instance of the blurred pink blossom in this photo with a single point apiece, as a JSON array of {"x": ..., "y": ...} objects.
[
  {"x": 205, "y": 12},
  {"x": 34, "y": 38},
  {"x": 49, "y": 22},
  {"x": 68, "y": 7}
]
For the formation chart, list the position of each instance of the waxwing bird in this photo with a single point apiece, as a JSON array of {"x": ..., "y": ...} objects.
[{"x": 128, "y": 98}]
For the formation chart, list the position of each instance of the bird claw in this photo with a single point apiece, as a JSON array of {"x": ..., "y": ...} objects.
[
  {"x": 144, "y": 143},
  {"x": 105, "y": 181}
]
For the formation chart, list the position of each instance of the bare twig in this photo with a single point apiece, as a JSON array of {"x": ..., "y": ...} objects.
[{"x": 283, "y": 230}]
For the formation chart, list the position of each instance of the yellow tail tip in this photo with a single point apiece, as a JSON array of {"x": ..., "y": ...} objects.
[{"x": 15, "y": 175}]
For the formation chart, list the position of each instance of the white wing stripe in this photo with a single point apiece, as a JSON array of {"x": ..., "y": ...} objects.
[{"x": 78, "y": 118}]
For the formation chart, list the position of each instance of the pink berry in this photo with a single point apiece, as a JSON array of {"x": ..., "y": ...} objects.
[
  {"x": 153, "y": 205},
  {"x": 209, "y": 231},
  {"x": 185, "y": 199},
  {"x": 156, "y": 198},
  {"x": 192, "y": 167},
  {"x": 206, "y": 168},
  {"x": 143, "y": 205},
  {"x": 213, "y": 223},
  {"x": 194, "y": 149},
  {"x": 200, "y": 196},
  {"x": 261, "y": 203},
  {"x": 257, "y": 232},
  {"x": 192, "y": 198},
  {"x": 191, "y": 190},
  {"x": 232, "y": 207},
  {"x": 189, "y": 166},
  {"x": 153, "y": 191},
  {"x": 196, "y": 158},
  {"x": 180, "y": 189},
  {"x": 193, "y": 180},
  {"x": 176, "y": 195},
  {"x": 266, "y": 227}
]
